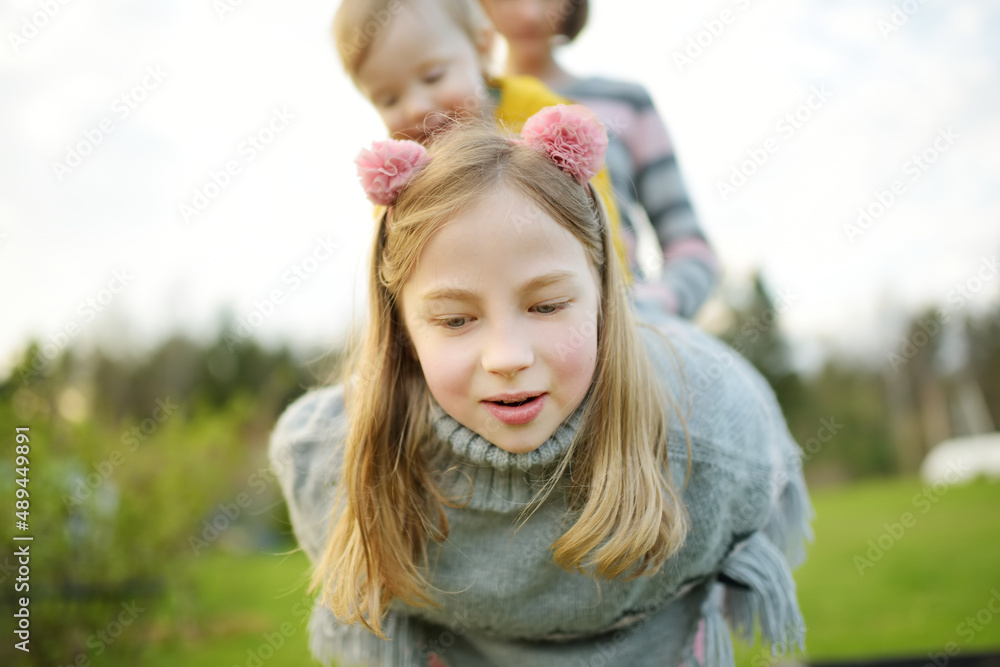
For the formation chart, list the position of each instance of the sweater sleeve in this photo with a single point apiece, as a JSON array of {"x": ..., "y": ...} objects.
[
  {"x": 746, "y": 496},
  {"x": 306, "y": 455},
  {"x": 690, "y": 269},
  {"x": 649, "y": 185}
]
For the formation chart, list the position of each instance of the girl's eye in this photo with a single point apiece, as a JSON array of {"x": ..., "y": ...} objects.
[
  {"x": 453, "y": 322},
  {"x": 550, "y": 308}
]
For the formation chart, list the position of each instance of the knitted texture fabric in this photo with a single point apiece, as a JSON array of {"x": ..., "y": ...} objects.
[{"x": 505, "y": 602}]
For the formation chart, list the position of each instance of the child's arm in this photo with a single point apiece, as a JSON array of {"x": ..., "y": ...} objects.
[
  {"x": 745, "y": 493},
  {"x": 690, "y": 270},
  {"x": 305, "y": 458}
]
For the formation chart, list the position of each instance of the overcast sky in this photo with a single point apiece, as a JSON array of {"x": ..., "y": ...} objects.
[{"x": 117, "y": 116}]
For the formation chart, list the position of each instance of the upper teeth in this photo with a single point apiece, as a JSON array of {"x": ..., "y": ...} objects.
[{"x": 512, "y": 401}]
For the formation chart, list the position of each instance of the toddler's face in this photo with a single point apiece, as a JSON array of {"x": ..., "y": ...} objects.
[
  {"x": 502, "y": 307},
  {"x": 423, "y": 68}
]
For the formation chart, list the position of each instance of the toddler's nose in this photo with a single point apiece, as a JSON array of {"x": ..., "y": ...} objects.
[{"x": 418, "y": 107}]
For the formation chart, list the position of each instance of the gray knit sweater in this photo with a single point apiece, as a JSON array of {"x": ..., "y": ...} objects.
[{"x": 509, "y": 604}]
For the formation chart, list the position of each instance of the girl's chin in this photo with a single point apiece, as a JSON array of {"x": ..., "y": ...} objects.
[
  {"x": 533, "y": 47},
  {"x": 517, "y": 447},
  {"x": 514, "y": 443}
]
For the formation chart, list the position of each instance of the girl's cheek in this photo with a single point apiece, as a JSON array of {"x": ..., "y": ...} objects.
[
  {"x": 446, "y": 370},
  {"x": 573, "y": 353}
]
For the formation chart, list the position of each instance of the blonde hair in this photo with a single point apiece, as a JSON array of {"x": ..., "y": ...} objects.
[
  {"x": 629, "y": 518},
  {"x": 358, "y": 23}
]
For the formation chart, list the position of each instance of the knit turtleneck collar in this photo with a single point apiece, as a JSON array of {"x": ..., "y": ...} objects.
[{"x": 500, "y": 481}]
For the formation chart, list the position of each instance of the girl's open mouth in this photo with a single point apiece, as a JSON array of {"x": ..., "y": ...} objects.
[{"x": 516, "y": 411}]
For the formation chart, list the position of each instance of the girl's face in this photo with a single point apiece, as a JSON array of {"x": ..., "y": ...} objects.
[
  {"x": 423, "y": 69},
  {"x": 502, "y": 311},
  {"x": 528, "y": 25}
]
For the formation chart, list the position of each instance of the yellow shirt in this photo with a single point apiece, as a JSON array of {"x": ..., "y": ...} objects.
[{"x": 521, "y": 97}]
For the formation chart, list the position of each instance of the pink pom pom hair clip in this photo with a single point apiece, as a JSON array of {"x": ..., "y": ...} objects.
[
  {"x": 569, "y": 135},
  {"x": 386, "y": 168}
]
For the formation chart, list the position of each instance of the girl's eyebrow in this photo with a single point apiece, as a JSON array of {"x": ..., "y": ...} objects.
[
  {"x": 546, "y": 279},
  {"x": 536, "y": 283}
]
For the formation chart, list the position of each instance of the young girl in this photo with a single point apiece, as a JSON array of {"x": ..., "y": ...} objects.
[
  {"x": 424, "y": 64},
  {"x": 515, "y": 472},
  {"x": 641, "y": 158}
]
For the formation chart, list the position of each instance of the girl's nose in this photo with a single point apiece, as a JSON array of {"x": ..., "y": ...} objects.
[{"x": 507, "y": 352}]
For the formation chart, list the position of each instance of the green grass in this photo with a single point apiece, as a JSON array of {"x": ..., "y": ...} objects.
[
  {"x": 247, "y": 607},
  {"x": 910, "y": 602}
]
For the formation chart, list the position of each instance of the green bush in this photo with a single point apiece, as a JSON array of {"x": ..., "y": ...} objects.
[{"x": 112, "y": 510}]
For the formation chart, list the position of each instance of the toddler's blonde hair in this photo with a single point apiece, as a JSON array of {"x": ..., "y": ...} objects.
[{"x": 358, "y": 23}]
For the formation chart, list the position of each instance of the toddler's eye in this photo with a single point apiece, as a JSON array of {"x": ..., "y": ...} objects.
[{"x": 434, "y": 75}]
